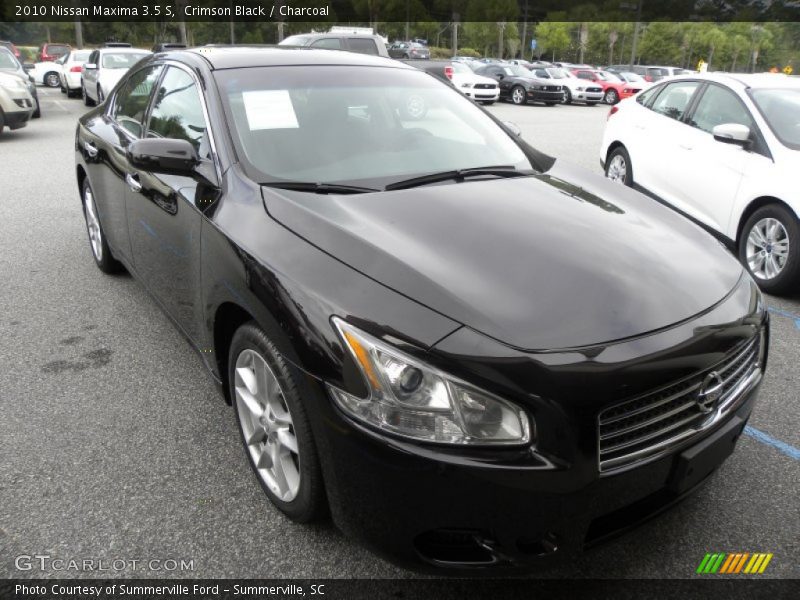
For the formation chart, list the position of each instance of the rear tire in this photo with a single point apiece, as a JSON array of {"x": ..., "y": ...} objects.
[
  {"x": 619, "y": 168},
  {"x": 101, "y": 253},
  {"x": 769, "y": 248},
  {"x": 275, "y": 429}
]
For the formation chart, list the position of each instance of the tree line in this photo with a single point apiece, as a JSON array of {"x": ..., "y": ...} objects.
[{"x": 486, "y": 30}]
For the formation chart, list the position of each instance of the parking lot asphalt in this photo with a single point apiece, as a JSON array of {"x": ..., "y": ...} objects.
[{"x": 115, "y": 444}]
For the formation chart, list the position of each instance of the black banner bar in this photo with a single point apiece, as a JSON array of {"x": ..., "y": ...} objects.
[
  {"x": 366, "y": 12},
  {"x": 439, "y": 589}
]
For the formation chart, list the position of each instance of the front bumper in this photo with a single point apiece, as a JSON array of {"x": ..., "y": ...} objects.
[
  {"x": 545, "y": 96},
  {"x": 588, "y": 96},
  {"x": 483, "y": 95},
  {"x": 426, "y": 509}
]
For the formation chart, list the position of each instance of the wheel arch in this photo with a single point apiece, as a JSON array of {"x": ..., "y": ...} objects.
[
  {"x": 80, "y": 173},
  {"x": 753, "y": 206},
  {"x": 613, "y": 146},
  {"x": 228, "y": 317}
]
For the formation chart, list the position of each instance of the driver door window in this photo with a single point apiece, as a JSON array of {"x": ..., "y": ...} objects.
[
  {"x": 130, "y": 105},
  {"x": 718, "y": 106},
  {"x": 178, "y": 112}
]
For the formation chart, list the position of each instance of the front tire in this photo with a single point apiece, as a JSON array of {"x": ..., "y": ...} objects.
[
  {"x": 770, "y": 248},
  {"x": 611, "y": 96},
  {"x": 97, "y": 240},
  {"x": 518, "y": 95},
  {"x": 100, "y": 97},
  {"x": 567, "y": 97},
  {"x": 619, "y": 167},
  {"x": 52, "y": 79},
  {"x": 276, "y": 432}
]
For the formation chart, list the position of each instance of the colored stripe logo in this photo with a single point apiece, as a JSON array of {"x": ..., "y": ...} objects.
[{"x": 734, "y": 562}]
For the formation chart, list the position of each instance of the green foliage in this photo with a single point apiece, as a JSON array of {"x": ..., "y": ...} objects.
[{"x": 469, "y": 52}]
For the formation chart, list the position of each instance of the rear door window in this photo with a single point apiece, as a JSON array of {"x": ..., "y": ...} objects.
[
  {"x": 674, "y": 99},
  {"x": 328, "y": 43},
  {"x": 363, "y": 45}
]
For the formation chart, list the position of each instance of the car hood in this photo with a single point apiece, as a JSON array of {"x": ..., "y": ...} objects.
[{"x": 535, "y": 262}]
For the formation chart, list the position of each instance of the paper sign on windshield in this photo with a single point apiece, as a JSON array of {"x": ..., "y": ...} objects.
[{"x": 269, "y": 109}]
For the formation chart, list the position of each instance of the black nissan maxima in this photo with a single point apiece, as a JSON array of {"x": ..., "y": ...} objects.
[{"x": 468, "y": 353}]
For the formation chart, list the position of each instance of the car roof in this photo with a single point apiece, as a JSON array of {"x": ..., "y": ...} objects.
[
  {"x": 122, "y": 50},
  {"x": 744, "y": 80},
  {"x": 233, "y": 57}
]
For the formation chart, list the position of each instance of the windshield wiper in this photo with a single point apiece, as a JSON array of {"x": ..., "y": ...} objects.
[
  {"x": 458, "y": 175},
  {"x": 320, "y": 188}
]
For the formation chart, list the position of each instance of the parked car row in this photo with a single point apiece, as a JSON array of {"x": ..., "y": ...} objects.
[{"x": 20, "y": 100}]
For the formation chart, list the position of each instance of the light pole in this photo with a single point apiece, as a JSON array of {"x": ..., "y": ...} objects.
[{"x": 638, "y": 8}]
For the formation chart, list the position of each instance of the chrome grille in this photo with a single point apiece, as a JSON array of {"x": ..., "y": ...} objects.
[
  {"x": 644, "y": 427},
  {"x": 485, "y": 86},
  {"x": 594, "y": 89}
]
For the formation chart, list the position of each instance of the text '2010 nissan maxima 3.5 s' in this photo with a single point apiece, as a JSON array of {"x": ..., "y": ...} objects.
[{"x": 468, "y": 354}]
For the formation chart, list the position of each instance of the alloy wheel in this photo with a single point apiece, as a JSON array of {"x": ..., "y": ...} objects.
[
  {"x": 267, "y": 425},
  {"x": 767, "y": 248},
  {"x": 52, "y": 80},
  {"x": 617, "y": 169},
  {"x": 518, "y": 95},
  {"x": 93, "y": 224},
  {"x": 611, "y": 97}
]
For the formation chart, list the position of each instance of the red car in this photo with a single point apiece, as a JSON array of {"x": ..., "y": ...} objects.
[
  {"x": 53, "y": 51},
  {"x": 14, "y": 50},
  {"x": 614, "y": 90}
]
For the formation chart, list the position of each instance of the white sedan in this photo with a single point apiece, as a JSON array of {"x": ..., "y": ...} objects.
[
  {"x": 47, "y": 73},
  {"x": 481, "y": 89},
  {"x": 575, "y": 90},
  {"x": 104, "y": 68},
  {"x": 72, "y": 71},
  {"x": 725, "y": 151}
]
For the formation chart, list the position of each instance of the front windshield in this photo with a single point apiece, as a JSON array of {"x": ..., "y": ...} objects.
[
  {"x": 7, "y": 61},
  {"x": 80, "y": 56},
  {"x": 557, "y": 73},
  {"x": 632, "y": 77},
  {"x": 461, "y": 68},
  {"x": 121, "y": 60},
  {"x": 295, "y": 40},
  {"x": 518, "y": 71},
  {"x": 781, "y": 109},
  {"x": 602, "y": 76},
  {"x": 367, "y": 126}
]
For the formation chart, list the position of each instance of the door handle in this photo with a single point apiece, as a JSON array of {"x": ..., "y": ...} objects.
[
  {"x": 133, "y": 182},
  {"x": 91, "y": 149}
]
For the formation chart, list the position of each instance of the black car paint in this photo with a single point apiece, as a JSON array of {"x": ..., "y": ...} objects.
[
  {"x": 217, "y": 253},
  {"x": 507, "y": 83}
]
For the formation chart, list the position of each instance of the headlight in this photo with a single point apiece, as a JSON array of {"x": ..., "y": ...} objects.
[
  {"x": 414, "y": 400},
  {"x": 466, "y": 85},
  {"x": 579, "y": 89}
]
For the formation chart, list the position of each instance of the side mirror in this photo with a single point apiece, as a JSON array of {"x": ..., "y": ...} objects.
[
  {"x": 499, "y": 76},
  {"x": 732, "y": 133},
  {"x": 89, "y": 67},
  {"x": 163, "y": 155},
  {"x": 513, "y": 128},
  {"x": 28, "y": 66}
]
